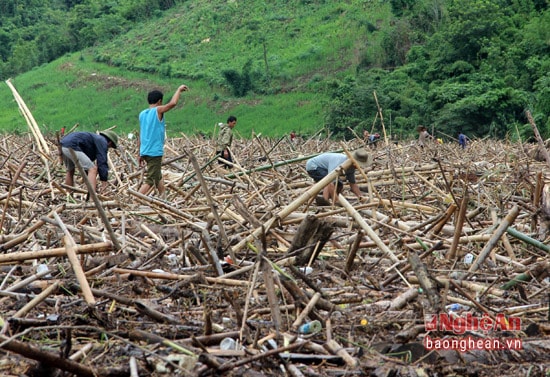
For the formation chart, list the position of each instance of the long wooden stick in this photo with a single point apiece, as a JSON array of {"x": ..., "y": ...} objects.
[
  {"x": 169, "y": 276},
  {"x": 101, "y": 247},
  {"x": 36, "y": 300},
  {"x": 48, "y": 358},
  {"x": 70, "y": 247},
  {"x": 506, "y": 222},
  {"x": 370, "y": 232},
  {"x": 459, "y": 224},
  {"x": 210, "y": 202}
]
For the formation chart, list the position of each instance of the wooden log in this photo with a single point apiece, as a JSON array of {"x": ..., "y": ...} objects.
[
  {"x": 426, "y": 282},
  {"x": 352, "y": 252},
  {"x": 268, "y": 277},
  {"x": 100, "y": 247},
  {"x": 403, "y": 299},
  {"x": 310, "y": 238},
  {"x": 144, "y": 309}
]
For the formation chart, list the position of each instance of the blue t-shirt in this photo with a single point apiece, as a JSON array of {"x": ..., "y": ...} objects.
[
  {"x": 462, "y": 140},
  {"x": 151, "y": 134}
]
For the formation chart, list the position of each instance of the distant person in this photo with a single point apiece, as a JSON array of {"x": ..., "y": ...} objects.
[
  {"x": 373, "y": 139},
  {"x": 91, "y": 150},
  {"x": 462, "y": 140},
  {"x": 224, "y": 141},
  {"x": 366, "y": 135},
  {"x": 423, "y": 136},
  {"x": 152, "y": 133},
  {"x": 293, "y": 136},
  {"x": 320, "y": 166}
]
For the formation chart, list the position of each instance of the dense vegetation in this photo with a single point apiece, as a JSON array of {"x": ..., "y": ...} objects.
[{"x": 471, "y": 65}]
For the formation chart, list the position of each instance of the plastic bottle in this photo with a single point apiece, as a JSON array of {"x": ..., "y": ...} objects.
[
  {"x": 310, "y": 327},
  {"x": 228, "y": 344},
  {"x": 457, "y": 307}
]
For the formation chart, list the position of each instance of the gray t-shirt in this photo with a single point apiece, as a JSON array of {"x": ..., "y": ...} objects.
[{"x": 329, "y": 161}]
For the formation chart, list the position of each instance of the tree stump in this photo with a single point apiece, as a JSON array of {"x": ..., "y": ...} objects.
[{"x": 311, "y": 236}]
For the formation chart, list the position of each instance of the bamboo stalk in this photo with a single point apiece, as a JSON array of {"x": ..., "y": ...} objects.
[
  {"x": 303, "y": 198},
  {"x": 370, "y": 232},
  {"x": 459, "y": 224},
  {"x": 210, "y": 202},
  {"x": 497, "y": 234},
  {"x": 169, "y": 276},
  {"x": 100, "y": 247},
  {"x": 36, "y": 300},
  {"x": 305, "y": 312}
]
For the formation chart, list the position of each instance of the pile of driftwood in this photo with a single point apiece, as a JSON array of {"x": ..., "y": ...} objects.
[
  {"x": 440, "y": 269},
  {"x": 220, "y": 277}
]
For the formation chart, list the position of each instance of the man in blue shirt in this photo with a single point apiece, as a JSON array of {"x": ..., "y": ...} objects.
[
  {"x": 91, "y": 151},
  {"x": 152, "y": 126},
  {"x": 462, "y": 140}
]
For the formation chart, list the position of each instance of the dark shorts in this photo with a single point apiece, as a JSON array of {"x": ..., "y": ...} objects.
[
  {"x": 154, "y": 171},
  {"x": 229, "y": 158},
  {"x": 318, "y": 174}
]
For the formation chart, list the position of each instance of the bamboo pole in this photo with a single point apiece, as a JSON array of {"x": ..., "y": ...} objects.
[
  {"x": 36, "y": 300},
  {"x": 459, "y": 224},
  {"x": 211, "y": 204},
  {"x": 100, "y": 247},
  {"x": 497, "y": 234},
  {"x": 70, "y": 247},
  {"x": 370, "y": 232},
  {"x": 170, "y": 276},
  {"x": 44, "y": 150}
]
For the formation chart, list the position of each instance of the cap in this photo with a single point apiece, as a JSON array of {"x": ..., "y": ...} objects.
[{"x": 111, "y": 136}]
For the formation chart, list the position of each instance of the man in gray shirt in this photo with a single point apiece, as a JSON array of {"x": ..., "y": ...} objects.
[{"x": 320, "y": 166}]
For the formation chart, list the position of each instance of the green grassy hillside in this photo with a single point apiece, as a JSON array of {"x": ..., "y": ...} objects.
[{"x": 293, "y": 51}]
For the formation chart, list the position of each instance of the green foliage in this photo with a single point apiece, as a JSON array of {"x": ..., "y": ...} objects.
[
  {"x": 474, "y": 65},
  {"x": 240, "y": 83}
]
